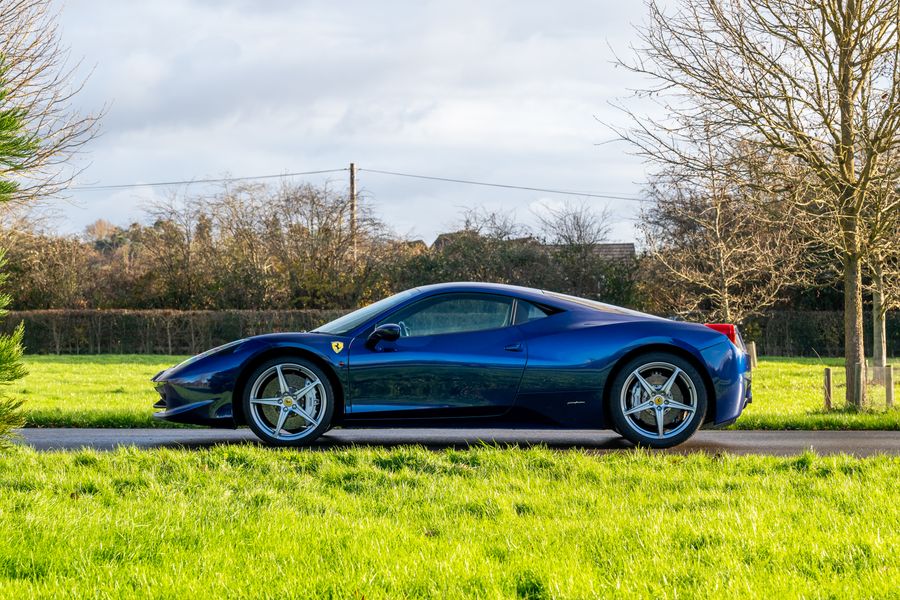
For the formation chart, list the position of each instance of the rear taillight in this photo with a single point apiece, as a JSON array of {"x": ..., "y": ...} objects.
[{"x": 728, "y": 329}]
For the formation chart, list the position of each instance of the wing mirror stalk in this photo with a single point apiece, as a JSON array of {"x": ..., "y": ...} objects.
[{"x": 388, "y": 332}]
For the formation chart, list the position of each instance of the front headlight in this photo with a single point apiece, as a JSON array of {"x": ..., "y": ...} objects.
[{"x": 210, "y": 352}]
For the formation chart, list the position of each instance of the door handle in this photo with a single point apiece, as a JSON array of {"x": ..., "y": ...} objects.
[{"x": 513, "y": 348}]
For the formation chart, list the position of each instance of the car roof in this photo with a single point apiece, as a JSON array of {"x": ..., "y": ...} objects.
[
  {"x": 554, "y": 299},
  {"x": 477, "y": 286}
]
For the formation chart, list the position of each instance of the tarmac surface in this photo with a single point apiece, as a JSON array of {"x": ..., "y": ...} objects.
[{"x": 775, "y": 443}]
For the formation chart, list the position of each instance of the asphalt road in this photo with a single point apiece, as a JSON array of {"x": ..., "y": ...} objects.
[{"x": 776, "y": 443}]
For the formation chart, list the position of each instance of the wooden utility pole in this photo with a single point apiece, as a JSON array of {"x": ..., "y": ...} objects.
[{"x": 353, "y": 208}]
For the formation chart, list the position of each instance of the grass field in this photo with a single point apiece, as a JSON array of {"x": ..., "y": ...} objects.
[
  {"x": 108, "y": 390},
  {"x": 788, "y": 394},
  {"x": 115, "y": 391},
  {"x": 244, "y": 521}
]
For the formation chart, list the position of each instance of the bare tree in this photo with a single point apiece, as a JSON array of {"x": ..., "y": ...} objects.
[
  {"x": 39, "y": 83},
  {"x": 239, "y": 216},
  {"x": 496, "y": 225},
  {"x": 816, "y": 80},
  {"x": 884, "y": 265},
  {"x": 173, "y": 248},
  {"x": 575, "y": 224},
  {"x": 713, "y": 246},
  {"x": 573, "y": 234}
]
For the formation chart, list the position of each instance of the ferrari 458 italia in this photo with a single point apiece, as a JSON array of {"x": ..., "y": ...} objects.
[{"x": 460, "y": 354}]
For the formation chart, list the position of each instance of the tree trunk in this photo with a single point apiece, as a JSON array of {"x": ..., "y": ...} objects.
[
  {"x": 879, "y": 332},
  {"x": 854, "y": 352}
]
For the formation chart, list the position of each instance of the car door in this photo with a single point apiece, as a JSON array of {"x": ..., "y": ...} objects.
[{"x": 459, "y": 355}]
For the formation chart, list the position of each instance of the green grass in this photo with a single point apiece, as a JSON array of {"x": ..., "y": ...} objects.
[
  {"x": 115, "y": 391},
  {"x": 788, "y": 394},
  {"x": 245, "y": 521},
  {"x": 108, "y": 390}
]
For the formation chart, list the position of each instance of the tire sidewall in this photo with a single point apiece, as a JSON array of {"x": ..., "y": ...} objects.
[
  {"x": 321, "y": 428},
  {"x": 620, "y": 421}
]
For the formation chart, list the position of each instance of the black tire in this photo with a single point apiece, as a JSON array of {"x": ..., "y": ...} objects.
[
  {"x": 296, "y": 430},
  {"x": 688, "y": 389}
]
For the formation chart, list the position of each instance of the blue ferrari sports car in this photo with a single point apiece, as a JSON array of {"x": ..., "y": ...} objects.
[{"x": 466, "y": 353}]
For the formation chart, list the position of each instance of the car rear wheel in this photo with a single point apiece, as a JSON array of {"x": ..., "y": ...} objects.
[
  {"x": 288, "y": 402},
  {"x": 658, "y": 400}
]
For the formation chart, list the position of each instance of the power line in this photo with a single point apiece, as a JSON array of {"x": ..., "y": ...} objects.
[
  {"x": 507, "y": 186},
  {"x": 122, "y": 186}
]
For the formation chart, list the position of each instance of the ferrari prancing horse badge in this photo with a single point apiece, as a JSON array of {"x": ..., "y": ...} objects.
[{"x": 337, "y": 347}]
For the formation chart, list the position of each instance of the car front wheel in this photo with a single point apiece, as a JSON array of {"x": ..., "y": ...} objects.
[
  {"x": 289, "y": 401},
  {"x": 658, "y": 400}
]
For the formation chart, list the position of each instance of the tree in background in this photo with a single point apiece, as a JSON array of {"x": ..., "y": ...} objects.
[
  {"x": 563, "y": 255},
  {"x": 39, "y": 85},
  {"x": 884, "y": 265},
  {"x": 47, "y": 271},
  {"x": 815, "y": 80},
  {"x": 714, "y": 247},
  {"x": 39, "y": 134},
  {"x": 487, "y": 246},
  {"x": 574, "y": 234},
  {"x": 16, "y": 146},
  {"x": 287, "y": 247}
]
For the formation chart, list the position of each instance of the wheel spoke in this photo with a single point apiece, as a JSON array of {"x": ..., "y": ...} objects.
[
  {"x": 644, "y": 384},
  {"x": 679, "y": 406},
  {"x": 266, "y": 401},
  {"x": 667, "y": 386},
  {"x": 282, "y": 417},
  {"x": 306, "y": 389},
  {"x": 639, "y": 407},
  {"x": 303, "y": 414},
  {"x": 660, "y": 424},
  {"x": 282, "y": 382}
]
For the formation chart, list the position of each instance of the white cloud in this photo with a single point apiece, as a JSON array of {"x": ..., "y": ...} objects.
[{"x": 489, "y": 90}]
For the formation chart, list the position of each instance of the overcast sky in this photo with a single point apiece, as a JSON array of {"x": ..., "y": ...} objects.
[{"x": 500, "y": 91}]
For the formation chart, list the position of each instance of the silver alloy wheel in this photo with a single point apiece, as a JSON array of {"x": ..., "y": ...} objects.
[
  {"x": 287, "y": 401},
  {"x": 658, "y": 400}
]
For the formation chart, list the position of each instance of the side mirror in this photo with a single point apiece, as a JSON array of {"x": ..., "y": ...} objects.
[{"x": 388, "y": 332}]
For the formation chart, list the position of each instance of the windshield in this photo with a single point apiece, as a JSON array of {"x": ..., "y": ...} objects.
[{"x": 351, "y": 321}]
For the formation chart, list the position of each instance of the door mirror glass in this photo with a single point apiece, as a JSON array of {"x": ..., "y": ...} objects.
[{"x": 389, "y": 332}]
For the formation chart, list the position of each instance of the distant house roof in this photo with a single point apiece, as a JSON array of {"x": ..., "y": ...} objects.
[
  {"x": 616, "y": 251},
  {"x": 609, "y": 251},
  {"x": 416, "y": 244},
  {"x": 447, "y": 238}
]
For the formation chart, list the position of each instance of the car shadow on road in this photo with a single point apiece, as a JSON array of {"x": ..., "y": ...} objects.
[{"x": 328, "y": 442}]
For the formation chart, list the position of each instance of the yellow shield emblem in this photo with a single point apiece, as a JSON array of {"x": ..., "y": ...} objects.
[{"x": 337, "y": 346}]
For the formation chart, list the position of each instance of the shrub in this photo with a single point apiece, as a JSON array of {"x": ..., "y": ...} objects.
[{"x": 11, "y": 369}]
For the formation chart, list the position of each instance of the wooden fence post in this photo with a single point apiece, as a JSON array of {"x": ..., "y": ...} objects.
[
  {"x": 888, "y": 377},
  {"x": 751, "y": 351},
  {"x": 828, "y": 388}
]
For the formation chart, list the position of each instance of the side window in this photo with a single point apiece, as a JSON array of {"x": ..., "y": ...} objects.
[
  {"x": 454, "y": 313},
  {"x": 526, "y": 312}
]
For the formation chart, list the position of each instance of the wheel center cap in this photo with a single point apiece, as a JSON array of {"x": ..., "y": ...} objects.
[
  {"x": 287, "y": 401},
  {"x": 658, "y": 400}
]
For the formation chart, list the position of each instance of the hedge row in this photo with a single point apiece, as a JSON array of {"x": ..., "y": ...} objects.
[
  {"x": 786, "y": 333},
  {"x": 152, "y": 331},
  {"x": 813, "y": 333}
]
